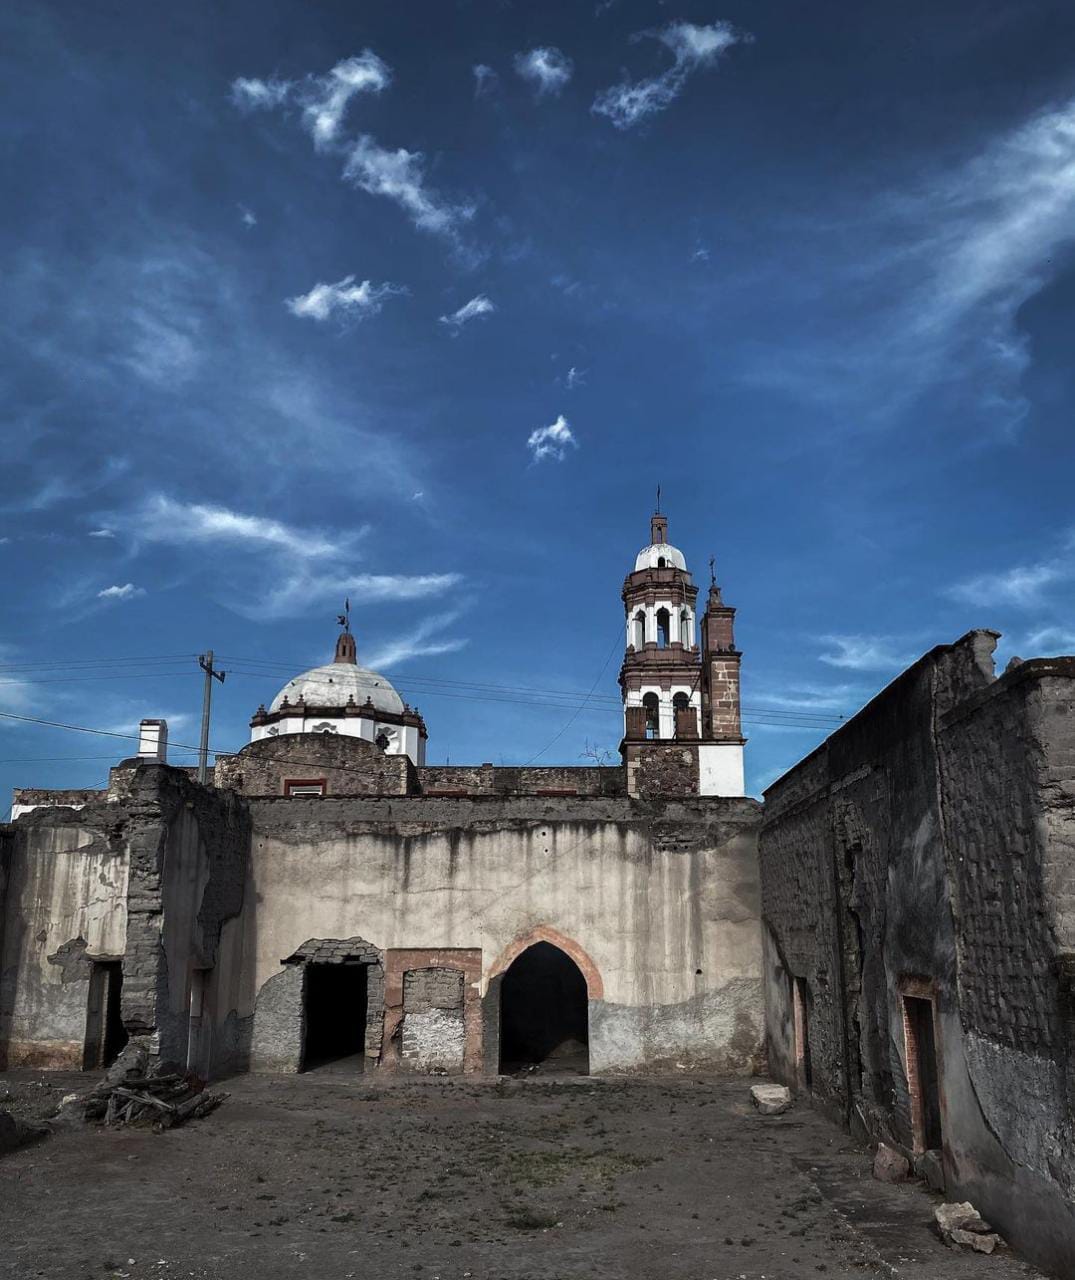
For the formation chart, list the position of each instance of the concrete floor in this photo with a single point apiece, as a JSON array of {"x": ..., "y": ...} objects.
[{"x": 328, "y": 1176}]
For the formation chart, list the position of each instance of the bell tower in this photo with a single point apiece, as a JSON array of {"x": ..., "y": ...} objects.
[{"x": 679, "y": 679}]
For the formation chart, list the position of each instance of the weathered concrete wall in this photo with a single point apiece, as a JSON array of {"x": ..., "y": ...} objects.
[
  {"x": 505, "y": 780},
  {"x": 926, "y": 848},
  {"x": 661, "y": 899}
]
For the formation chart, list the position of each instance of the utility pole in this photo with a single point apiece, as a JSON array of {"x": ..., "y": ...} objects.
[{"x": 206, "y": 664}]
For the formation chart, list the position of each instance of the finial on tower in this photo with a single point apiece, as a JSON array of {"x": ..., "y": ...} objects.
[
  {"x": 657, "y": 509},
  {"x": 712, "y": 571},
  {"x": 345, "y": 641}
]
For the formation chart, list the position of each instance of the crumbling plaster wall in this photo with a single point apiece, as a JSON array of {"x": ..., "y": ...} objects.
[
  {"x": 661, "y": 897},
  {"x": 930, "y": 839},
  {"x": 146, "y": 874},
  {"x": 65, "y": 904}
]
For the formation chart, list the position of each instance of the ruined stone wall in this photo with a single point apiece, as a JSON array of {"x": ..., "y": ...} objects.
[
  {"x": 657, "y": 769},
  {"x": 925, "y": 850},
  {"x": 487, "y": 779},
  {"x": 660, "y": 899},
  {"x": 347, "y": 766}
]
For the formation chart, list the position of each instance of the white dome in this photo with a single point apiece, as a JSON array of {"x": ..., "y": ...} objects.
[
  {"x": 649, "y": 557},
  {"x": 333, "y": 684}
]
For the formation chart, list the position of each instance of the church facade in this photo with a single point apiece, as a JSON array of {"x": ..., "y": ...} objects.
[{"x": 331, "y": 897}]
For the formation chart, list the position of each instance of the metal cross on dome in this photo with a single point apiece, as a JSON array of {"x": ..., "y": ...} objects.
[{"x": 344, "y": 618}]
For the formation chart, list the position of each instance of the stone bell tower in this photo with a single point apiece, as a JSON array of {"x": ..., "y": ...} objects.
[{"x": 680, "y": 681}]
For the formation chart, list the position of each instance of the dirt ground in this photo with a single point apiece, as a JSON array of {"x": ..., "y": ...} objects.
[{"x": 331, "y": 1176}]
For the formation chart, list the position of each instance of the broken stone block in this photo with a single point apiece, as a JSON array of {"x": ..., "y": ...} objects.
[
  {"x": 889, "y": 1165},
  {"x": 770, "y": 1099},
  {"x": 929, "y": 1167},
  {"x": 961, "y": 1225}
]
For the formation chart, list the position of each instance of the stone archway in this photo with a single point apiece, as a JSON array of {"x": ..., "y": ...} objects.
[{"x": 537, "y": 1004}]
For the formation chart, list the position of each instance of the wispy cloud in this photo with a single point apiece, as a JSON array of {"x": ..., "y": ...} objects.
[
  {"x": 277, "y": 569},
  {"x": 865, "y": 653},
  {"x": 1049, "y": 640},
  {"x": 252, "y": 94},
  {"x": 296, "y": 594},
  {"x": 479, "y": 306},
  {"x": 247, "y": 217},
  {"x": 925, "y": 286},
  {"x": 343, "y": 300},
  {"x": 324, "y": 98},
  {"x": 400, "y": 176},
  {"x": 1023, "y": 585},
  {"x": 552, "y": 441},
  {"x": 575, "y": 378},
  {"x": 422, "y": 642},
  {"x": 547, "y": 68},
  {"x": 162, "y": 519},
  {"x": 485, "y": 80},
  {"x": 693, "y": 48},
  {"x": 126, "y": 592},
  {"x": 101, "y": 533}
]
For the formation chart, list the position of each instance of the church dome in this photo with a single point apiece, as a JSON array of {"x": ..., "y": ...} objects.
[
  {"x": 660, "y": 555},
  {"x": 336, "y": 682}
]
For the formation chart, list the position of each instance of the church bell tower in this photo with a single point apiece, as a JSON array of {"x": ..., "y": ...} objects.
[{"x": 679, "y": 679}]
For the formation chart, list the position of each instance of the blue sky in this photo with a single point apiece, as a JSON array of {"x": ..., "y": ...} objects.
[{"x": 418, "y": 303}]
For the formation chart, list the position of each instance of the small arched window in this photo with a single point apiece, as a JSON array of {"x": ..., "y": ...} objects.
[
  {"x": 660, "y": 562},
  {"x": 638, "y": 634},
  {"x": 653, "y": 715},
  {"x": 664, "y": 629}
]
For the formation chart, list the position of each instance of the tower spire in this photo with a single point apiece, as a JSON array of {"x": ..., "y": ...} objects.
[{"x": 345, "y": 641}]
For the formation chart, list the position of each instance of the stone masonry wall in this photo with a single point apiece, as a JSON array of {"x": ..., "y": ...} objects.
[
  {"x": 347, "y": 766},
  {"x": 925, "y": 848}
]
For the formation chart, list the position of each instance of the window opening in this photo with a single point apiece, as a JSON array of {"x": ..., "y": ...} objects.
[{"x": 544, "y": 1013}]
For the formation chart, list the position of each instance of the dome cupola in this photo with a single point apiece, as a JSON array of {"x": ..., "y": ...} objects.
[{"x": 343, "y": 697}]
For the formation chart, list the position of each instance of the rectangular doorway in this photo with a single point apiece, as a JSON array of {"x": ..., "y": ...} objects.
[
  {"x": 335, "y": 1007},
  {"x": 923, "y": 1078},
  {"x": 105, "y": 1033},
  {"x": 804, "y": 1073}
]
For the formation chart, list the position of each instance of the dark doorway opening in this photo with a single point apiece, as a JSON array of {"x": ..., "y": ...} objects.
[
  {"x": 923, "y": 1078},
  {"x": 335, "y": 1016},
  {"x": 105, "y": 1033},
  {"x": 544, "y": 1016},
  {"x": 803, "y": 1067}
]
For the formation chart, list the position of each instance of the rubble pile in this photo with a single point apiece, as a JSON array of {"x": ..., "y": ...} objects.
[
  {"x": 962, "y": 1225},
  {"x": 132, "y": 1094}
]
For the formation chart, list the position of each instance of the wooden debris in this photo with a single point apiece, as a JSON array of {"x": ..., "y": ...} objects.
[{"x": 165, "y": 1100}]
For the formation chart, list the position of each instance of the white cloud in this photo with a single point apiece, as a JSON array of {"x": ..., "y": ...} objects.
[
  {"x": 295, "y": 594},
  {"x": 485, "y": 80},
  {"x": 127, "y": 592},
  {"x": 259, "y": 95},
  {"x": 547, "y": 69},
  {"x": 324, "y": 98},
  {"x": 923, "y": 288},
  {"x": 1049, "y": 640},
  {"x": 399, "y": 176},
  {"x": 575, "y": 378},
  {"x": 479, "y": 306},
  {"x": 552, "y": 441},
  {"x": 344, "y": 299},
  {"x": 247, "y": 217},
  {"x": 101, "y": 533},
  {"x": 865, "y": 653},
  {"x": 420, "y": 643},
  {"x": 1021, "y": 586},
  {"x": 693, "y": 47},
  {"x": 162, "y": 519}
]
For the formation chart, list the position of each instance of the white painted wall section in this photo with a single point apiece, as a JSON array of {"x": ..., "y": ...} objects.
[{"x": 720, "y": 769}]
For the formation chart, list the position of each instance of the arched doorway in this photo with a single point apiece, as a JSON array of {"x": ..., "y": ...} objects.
[{"x": 544, "y": 1015}]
